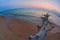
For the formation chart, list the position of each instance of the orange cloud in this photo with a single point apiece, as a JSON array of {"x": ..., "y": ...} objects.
[{"x": 48, "y": 6}]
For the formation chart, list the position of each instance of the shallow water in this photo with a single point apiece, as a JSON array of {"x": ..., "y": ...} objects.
[{"x": 29, "y": 15}]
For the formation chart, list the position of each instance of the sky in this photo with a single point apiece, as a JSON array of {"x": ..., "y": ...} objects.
[{"x": 46, "y": 4}]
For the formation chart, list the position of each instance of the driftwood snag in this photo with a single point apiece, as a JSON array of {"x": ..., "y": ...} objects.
[{"x": 42, "y": 32}]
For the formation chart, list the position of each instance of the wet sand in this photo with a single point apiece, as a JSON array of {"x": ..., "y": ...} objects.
[
  {"x": 16, "y": 29},
  {"x": 54, "y": 36}
]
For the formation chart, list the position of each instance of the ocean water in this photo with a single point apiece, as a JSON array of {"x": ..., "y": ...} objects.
[
  {"x": 31, "y": 12},
  {"x": 32, "y": 15}
]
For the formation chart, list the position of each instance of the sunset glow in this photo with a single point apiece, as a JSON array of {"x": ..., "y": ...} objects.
[{"x": 46, "y": 4}]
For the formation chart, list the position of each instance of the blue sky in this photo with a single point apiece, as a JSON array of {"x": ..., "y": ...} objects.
[{"x": 46, "y": 4}]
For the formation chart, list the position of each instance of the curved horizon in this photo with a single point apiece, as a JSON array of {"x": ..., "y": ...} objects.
[{"x": 52, "y": 5}]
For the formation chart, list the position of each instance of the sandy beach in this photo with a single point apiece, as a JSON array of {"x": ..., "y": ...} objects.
[{"x": 16, "y": 29}]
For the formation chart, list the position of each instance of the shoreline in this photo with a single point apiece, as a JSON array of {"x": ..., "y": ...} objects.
[{"x": 16, "y": 29}]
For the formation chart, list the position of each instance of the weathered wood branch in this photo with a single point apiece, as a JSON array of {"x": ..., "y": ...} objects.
[{"x": 42, "y": 33}]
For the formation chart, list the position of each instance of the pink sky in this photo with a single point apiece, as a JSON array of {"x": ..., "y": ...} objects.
[{"x": 48, "y": 6}]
